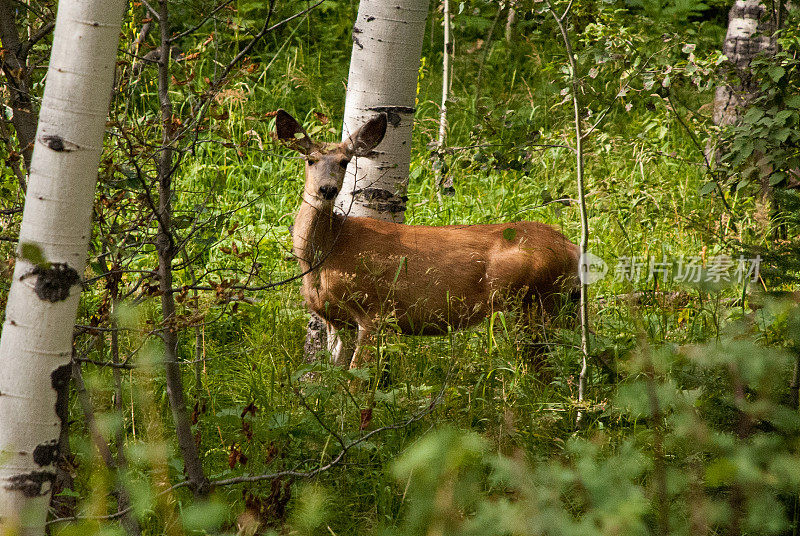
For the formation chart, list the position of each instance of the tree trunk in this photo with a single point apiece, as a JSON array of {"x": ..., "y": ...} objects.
[
  {"x": 749, "y": 33},
  {"x": 15, "y": 67},
  {"x": 166, "y": 251},
  {"x": 384, "y": 65},
  {"x": 444, "y": 181},
  {"x": 36, "y": 342},
  {"x": 511, "y": 21},
  {"x": 387, "y": 44},
  {"x": 577, "y": 107}
]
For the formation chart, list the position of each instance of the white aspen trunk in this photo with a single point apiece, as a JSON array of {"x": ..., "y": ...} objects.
[
  {"x": 36, "y": 341},
  {"x": 446, "y": 52},
  {"x": 387, "y": 44},
  {"x": 384, "y": 66},
  {"x": 749, "y": 33}
]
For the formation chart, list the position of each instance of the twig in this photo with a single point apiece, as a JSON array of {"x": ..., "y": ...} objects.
[
  {"x": 584, "y": 245},
  {"x": 153, "y": 13},
  {"x": 322, "y": 423},
  {"x": 440, "y": 142},
  {"x": 266, "y": 29},
  {"x": 197, "y": 26},
  {"x": 35, "y": 38}
]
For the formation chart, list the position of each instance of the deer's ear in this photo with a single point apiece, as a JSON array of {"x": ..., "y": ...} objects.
[
  {"x": 291, "y": 133},
  {"x": 366, "y": 138}
]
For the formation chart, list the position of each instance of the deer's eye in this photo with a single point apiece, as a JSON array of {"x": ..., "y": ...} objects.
[
  {"x": 311, "y": 161},
  {"x": 343, "y": 163}
]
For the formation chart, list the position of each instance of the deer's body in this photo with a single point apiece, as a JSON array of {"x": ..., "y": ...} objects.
[
  {"x": 364, "y": 273},
  {"x": 425, "y": 279}
]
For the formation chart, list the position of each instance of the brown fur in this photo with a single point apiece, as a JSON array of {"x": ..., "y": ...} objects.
[{"x": 361, "y": 272}]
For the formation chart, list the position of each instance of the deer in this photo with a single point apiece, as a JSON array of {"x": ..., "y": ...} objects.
[{"x": 364, "y": 273}]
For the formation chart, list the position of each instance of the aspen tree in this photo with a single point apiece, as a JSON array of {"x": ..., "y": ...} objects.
[
  {"x": 384, "y": 66},
  {"x": 36, "y": 341}
]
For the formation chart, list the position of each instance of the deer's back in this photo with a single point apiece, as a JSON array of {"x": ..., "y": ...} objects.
[{"x": 424, "y": 278}]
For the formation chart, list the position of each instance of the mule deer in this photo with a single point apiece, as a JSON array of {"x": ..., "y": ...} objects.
[{"x": 362, "y": 273}]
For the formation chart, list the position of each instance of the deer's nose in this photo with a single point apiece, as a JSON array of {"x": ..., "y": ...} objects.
[{"x": 328, "y": 192}]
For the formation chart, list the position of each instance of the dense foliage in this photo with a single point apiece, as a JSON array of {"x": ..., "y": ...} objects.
[{"x": 691, "y": 422}]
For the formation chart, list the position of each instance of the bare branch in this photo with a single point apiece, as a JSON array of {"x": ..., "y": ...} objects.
[
  {"x": 35, "y": 38},
  {"x": 197, "y": 26}
]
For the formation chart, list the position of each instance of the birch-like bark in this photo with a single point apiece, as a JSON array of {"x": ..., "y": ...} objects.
[
  {"x": 442, "y": 180},
  {"x": 387, "y": 45},
  {"x": 749, "y": 33},
  {"x": 579, "y": 170},
  {"x": 384, "y": 65},
  {"x": 36, "y": 342},
  {"x": 511, "y": 21}
]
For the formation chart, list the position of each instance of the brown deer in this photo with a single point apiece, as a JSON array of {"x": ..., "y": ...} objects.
[{"x": 365, "y": 273}]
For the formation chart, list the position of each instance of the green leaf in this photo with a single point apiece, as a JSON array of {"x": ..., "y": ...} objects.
[
  {"x": 33, "y": 254},
  {"x": 752, "y": 116},
  {"x": 776, "y": 178},
  {"x": 359, "y": 374},
  {"x": 204, "y": 516},
  {"x": 783, "y": 134},
  {"x": 782, "y": 116},
  {"x": 776, "y": 72},
  {"x": 66, "y": 492},
  {"x": 182, "y": 221},
  {"x": 721, "y": 472},
  {"x": 793, "y": 102},
  {"x": 509, "y": 233},
  {"x": 708, "y": 187},
  {"x": 99, "y": 268},
  {"x": 278, "y": 420}
]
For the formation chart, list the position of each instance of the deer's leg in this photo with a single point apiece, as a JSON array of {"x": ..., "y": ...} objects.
[
  {"x": 536, "y": 342},
  {"x": 360, "y": 353},
  {"x": 340, "y": 345}
]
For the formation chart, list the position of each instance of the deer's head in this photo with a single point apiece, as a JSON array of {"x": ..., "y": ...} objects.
[{"x": 326, "y": 163}]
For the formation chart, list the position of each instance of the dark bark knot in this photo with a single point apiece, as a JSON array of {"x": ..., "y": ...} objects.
[
  {"x": 30, "y": 484},
  {"x": 57, "y": 143},
  {"x": 393, "y": 113},
  {"x": 59, "y": 380},
  {"x": 381, "y": 200},
  {"x": 54, "y": 282},
  {"x": 46, "y": 453}
]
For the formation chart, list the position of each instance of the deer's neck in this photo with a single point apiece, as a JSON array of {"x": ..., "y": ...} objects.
[{"x": 313, "y": 235}]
